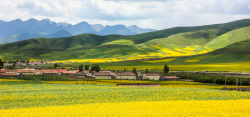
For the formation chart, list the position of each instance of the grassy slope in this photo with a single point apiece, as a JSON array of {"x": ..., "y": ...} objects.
[{"x": 234, "y": 57}]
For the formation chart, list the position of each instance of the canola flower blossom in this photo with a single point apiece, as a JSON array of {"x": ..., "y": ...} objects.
[
  {"x": 196, "y": 108},
  {"x": 31, "y": 99},
  {"x": 196, "y": 59}
]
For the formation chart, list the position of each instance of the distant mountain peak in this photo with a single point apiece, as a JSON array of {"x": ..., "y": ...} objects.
[
  {"x": 46, "y": 20},
  {"x": 31, "y": 27},
  {"x": 16, "y": 20},
  {"x": 97, "y": 27},
  {"x": 133, "y": 26},
  {"x": 32, "y": 20},
  {"x": 83, "y": 22}
]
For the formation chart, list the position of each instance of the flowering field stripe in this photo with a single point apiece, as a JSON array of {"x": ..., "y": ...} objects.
[
  {"x": 161, "y": 60},
  {"x": 196, "y": 59},
  {"x": 164, "y": 84},
  {"x": 1, "y": 80},
  {"x": 42, "y": 95},
  {"x": 223, "y": 108},
  {"x": 240, "y": 66}
]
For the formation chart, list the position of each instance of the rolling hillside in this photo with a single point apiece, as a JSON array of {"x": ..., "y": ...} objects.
[{"x": 175, "y": 42}]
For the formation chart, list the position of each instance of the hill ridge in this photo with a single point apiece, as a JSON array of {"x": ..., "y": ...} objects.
[{"x": 198, "y": 40}]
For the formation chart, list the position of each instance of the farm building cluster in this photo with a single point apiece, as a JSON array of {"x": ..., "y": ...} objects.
[{"x": 83, "y": 74}]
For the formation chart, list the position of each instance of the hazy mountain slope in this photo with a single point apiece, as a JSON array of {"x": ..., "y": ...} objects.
[
  {"x": 24, "y": 36},
  {"x": 32, "y": 29},
  {"x": 138, "y": 30},
  {"x": 117, "y": 29},
  {"x": 84, "y": 40}
]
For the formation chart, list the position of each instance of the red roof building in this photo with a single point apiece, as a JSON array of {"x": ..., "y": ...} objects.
[
  {"x": 151, "y": 76},
  {"x": 51, "y": 72},
  {"x": 2, "y": 71},
  {"x": 169, "y": 78},
  {"x": 103, "y": 75},
  {"x": 9, "y": 75}
]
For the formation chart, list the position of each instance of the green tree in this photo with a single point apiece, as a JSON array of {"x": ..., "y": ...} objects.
[
  {"x": 146, "y": 70},
  {"x": 95, "y": 68},
  {"x": 166, "y": 69},
  {"x": 1, "y": 64},
  {"x": 134, "y": 71},
  {"x": 86, "y": 67},
  {"x": 80, "y": 68},
  {"x": 14, "y": 65},
  {"x": 10, "y": 67},
  {"x": 55, "y": 65},
  {"x": 28, "y": 62}
]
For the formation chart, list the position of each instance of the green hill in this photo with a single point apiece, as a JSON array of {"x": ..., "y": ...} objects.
[
  {"x": 234, "y": 57},
  {"x": 173, "y": 42}
]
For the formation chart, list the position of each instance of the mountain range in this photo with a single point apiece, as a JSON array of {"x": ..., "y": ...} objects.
[
  {"x": 17, "y": 30},
  {"x": 218, "y": 43}
]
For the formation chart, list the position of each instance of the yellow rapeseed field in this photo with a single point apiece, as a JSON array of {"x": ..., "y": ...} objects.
[
  {"x": 222, "y": 108},
  {"x": 24, "y": 98},
  {"x": 162, "y": 60},
  {"x": 241, "y": 66},
  {"x": 196, "y": 59},
  {"x": 10, "y": 80}
]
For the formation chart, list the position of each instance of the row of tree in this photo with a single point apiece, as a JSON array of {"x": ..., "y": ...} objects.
[
  {"x": 165, "y": 70},
  {"x": 95, "y": 68},
  {"x": 1, "y": 64}
]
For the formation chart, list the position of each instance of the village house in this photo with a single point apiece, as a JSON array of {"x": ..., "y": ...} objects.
[
  {"x": 61, "y": 71},
  {"x": 27, "y": 72},
  {"x": 12, "y": 75},
  {"x": 151, "y": 76},
  {"x": 103, "y": 75},
  {"x": 90, "y": 75},
  {"x": 35, "y": 63},
  {"x": 6, "y": 64},
  {"x": 69, "y": 73},
  {"x": 11, "y": 71},
  {"x": 2, "y": 71},
  {"x": 169, "y": 78},
  {"x": 50, "y": 73},
  {"x": 84, "y": 72},
  {"x": 126, "y": 76},
  {"x": 40, "y": 71},
  {"x": 20, "y": 63}
]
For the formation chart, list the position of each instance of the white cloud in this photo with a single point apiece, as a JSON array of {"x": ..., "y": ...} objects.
[{"x": 158, "y": 14}]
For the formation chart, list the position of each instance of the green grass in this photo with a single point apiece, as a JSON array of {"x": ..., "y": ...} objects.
[{"x": 120, "y": 42}]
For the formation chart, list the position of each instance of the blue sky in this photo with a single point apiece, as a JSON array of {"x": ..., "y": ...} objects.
[{"x": 156, "y": 14}]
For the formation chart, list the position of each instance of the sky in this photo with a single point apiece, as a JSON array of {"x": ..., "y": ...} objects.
[{"x": 155, "y": 14}]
